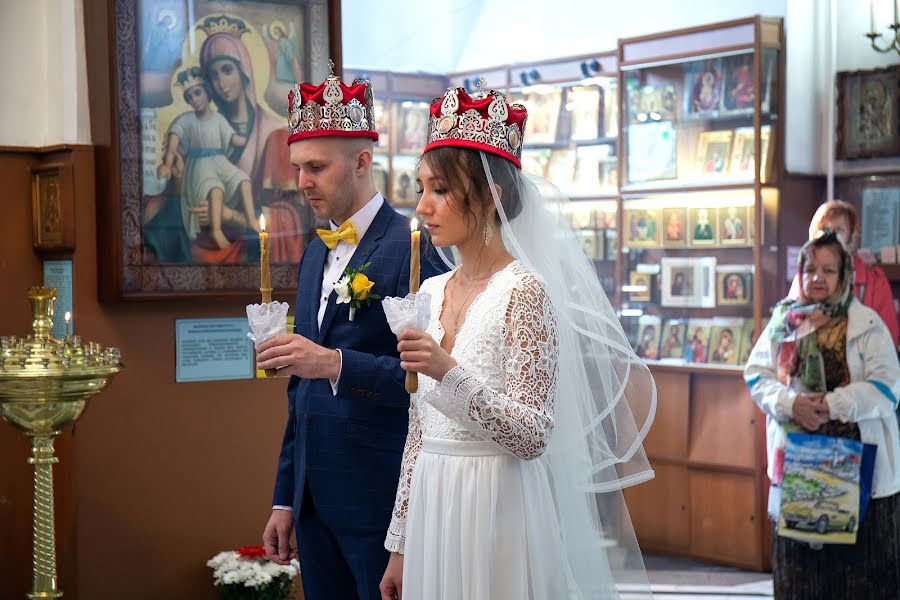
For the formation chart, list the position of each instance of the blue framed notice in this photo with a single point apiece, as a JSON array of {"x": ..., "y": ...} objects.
[
  {"x": 212, "y": 350},
  {"x": 58, "y": 274}
]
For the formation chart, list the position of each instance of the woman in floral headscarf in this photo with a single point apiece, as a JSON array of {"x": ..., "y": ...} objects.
[
  {"x": 870, "y": 284},
  {"x": 826, "y": 363}
]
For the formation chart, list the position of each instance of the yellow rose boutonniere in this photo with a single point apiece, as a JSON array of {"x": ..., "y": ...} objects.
[{"x": 355, "y": 289}]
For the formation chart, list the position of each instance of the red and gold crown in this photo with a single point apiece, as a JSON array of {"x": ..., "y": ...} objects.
[
  {"x": 331, "y": 108},
  {"x": 483, "y": 121}
]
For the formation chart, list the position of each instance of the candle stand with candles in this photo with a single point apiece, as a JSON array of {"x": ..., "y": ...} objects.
[{"x": 44, "y": 385}]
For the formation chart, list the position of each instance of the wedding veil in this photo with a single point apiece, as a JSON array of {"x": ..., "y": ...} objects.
[{"x": 606, "y": 396}]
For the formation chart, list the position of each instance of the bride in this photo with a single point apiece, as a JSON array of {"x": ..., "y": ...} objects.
[{"x": 522, "y": 432}]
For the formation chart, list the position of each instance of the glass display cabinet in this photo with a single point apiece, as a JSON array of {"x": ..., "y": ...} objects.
[{"x": 701, "y": 170}]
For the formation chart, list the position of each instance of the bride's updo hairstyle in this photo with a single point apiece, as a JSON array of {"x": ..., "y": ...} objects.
[{"x": 459, "y": 129}]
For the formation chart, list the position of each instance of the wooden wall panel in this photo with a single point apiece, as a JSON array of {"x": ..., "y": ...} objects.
[
  {"x": 724, "y": 523},
  {"x": 659, "y": 510},
  {"x": 668, "y": 436},
  {"x": 722, "y": 422}
]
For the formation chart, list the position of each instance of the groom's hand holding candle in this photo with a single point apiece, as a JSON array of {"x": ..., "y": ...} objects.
[
  {"x": 419, "y": 353},
  {"x": 296, "y": 355}
]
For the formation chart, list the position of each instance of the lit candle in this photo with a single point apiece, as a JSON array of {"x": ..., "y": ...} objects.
[
  {"x": 414, "y": 256},
  {"x": 265, "y": 282},
  {"x": 68, "y": 318},
  {"x": 412, "y": 379}
]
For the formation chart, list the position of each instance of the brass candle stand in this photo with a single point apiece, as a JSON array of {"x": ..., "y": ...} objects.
[{"x": 44, "y": 386}]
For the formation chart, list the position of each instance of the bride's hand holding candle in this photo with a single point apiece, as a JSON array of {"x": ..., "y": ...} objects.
[{"x": 419, "y": 353}]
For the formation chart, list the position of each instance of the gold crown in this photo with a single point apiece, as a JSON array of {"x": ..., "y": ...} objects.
[
  {"x": 189, "y": 78},
  {"x": 482, "y": 121},
  {"x": 331, "y": 108},
  {"x": 223, "y": 24}
]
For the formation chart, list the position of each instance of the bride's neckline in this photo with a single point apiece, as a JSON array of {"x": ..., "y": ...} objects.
[{"x": 478, "y": 296}]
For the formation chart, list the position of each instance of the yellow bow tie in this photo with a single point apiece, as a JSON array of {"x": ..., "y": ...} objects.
[{"x": 345, "y": 232}]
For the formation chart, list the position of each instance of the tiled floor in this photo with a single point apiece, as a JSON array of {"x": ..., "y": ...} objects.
[{"x": 682, "y": 579}]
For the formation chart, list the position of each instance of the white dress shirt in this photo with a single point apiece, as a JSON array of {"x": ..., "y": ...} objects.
[
  {"x": 339, "y": 257},
  {"x": 336, "y": 262}
]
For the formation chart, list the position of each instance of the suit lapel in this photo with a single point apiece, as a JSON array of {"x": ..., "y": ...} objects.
[
  {"x": 312, "y": 284},
  {"x": 366, "y": 245}
]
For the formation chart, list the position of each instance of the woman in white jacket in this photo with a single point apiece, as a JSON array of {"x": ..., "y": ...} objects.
[{"x": 827, "y": 363}]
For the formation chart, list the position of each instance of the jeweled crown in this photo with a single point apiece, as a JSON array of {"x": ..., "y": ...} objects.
[
  {"x": 189, "y": 78},
  {"x": 483, "y": 121},
  {"x": 331, "y": 108}
]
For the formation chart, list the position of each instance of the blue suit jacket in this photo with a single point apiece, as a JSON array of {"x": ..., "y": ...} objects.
[{"x": 347, "y": 448}]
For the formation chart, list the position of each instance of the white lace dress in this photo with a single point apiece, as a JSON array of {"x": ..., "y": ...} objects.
[{"x": 474, "y": 515}]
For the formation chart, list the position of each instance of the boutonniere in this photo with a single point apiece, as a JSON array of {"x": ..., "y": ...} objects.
[{"x": 355, "y": 289}]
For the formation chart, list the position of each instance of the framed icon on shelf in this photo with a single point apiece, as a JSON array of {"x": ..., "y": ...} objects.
[
  {"x": 733, "y": 224},
  {"x": 641, "y": 228},
  {"x": 674, "y": 227},
  {"x": 734, "y": 285},
  {"x": 701, "y": 223},
  {"x": 641, "y": 286},
  {"x": 713, "y": 152},
  {"x": 674, "y": 332}
]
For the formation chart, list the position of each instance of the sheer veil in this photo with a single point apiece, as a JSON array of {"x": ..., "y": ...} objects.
[{"x": 606, "y": 396}]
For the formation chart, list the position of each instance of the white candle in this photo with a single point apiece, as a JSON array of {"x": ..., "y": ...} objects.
[
  {"x": 68, "y": 318},
  {"x": 265, "y": 285},
  {"x": 414, "y": 256}
]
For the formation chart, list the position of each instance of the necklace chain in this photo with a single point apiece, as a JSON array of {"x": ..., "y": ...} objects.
[{"x": 457, "y": 313}]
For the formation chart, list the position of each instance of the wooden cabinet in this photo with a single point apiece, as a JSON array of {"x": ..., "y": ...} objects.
[
  {"x": 659, "y": 510},
  {"x": 707, "y": 447}
]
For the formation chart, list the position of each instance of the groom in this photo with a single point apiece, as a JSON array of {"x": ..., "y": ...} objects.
[{"x": 347, "y": 406}]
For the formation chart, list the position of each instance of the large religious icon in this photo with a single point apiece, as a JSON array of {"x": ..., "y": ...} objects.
[
  {"x": 868, "y": 113},
  {"x": 208, "y": 83}
]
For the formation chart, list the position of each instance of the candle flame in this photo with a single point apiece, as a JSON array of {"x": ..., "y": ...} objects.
[
  {"x": 414, "y": 224},
  {"x": 262, "y": 222},
  {"x": 68, "y": 316}
]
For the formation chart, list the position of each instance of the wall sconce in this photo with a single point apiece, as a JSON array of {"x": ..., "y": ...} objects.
[
  {"x": 471, "y": 85},
  {"x": 590, "y": 68},
  {"x": 529, "y": 77},
  {"x": 894, "y": 27}
]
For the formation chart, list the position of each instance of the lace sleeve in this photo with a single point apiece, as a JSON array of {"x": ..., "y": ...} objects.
[
  {"x": 396, "y": 534},
  {"x": 520, "y": 418}
]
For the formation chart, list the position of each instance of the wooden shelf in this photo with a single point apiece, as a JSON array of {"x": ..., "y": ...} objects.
[
  {"x": 724, "y": 370},
  {"x": 891, "y": 271}
]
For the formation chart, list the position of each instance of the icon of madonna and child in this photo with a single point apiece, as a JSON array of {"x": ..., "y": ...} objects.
[{"x": 216, "y": 155}]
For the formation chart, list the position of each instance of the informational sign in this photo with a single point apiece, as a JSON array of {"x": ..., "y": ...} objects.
[
  {"x": 212, "y": 349},
  {"x": 58, "y": 274},
  {"x": 881, "y": 217},
  {"x": 792, "y": 260}
]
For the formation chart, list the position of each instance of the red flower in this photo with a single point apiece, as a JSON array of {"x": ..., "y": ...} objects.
[{"x": 251, "y": 552}]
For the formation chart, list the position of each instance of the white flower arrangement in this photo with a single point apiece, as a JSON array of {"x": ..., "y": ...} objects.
[{"x": 247, "y": 574}]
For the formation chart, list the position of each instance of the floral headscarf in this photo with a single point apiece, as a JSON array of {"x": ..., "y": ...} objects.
[{"x": 799, "y": 355}]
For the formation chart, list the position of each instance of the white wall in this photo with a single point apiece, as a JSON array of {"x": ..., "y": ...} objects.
[
  {"x": 42, "y": 51},
  {"x": 854, "y": 50},
  {"x": 460, "y": 35},
  {"x": 42, "y": 62}
]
